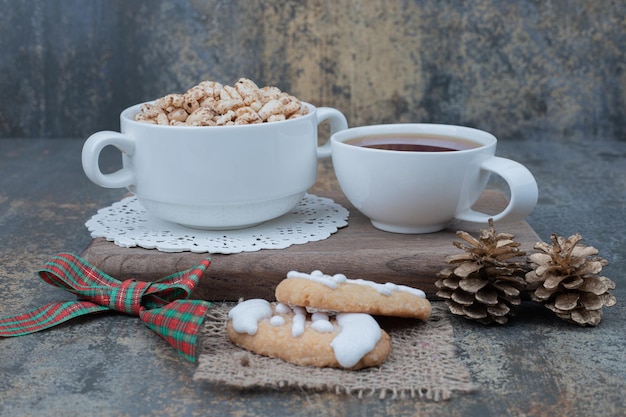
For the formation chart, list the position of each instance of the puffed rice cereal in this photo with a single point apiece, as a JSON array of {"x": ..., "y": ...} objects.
[{"x": 212, "y": 104}]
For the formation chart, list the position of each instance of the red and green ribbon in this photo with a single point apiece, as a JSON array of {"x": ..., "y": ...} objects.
[{"x": 162, "y": 305}]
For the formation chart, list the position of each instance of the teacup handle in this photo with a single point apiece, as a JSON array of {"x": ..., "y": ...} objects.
[
  {"x": 337, "y": 122},
  {"x": 91, "y": 153},
  {"x": 523, "y": 188}
]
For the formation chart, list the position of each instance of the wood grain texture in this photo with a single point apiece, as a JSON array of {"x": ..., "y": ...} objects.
[{"x": 358, "y": 251}]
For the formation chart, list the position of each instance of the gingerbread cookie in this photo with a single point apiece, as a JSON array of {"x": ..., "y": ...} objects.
[
  {"x": 348, "y": 341},
  {"x": 338, "y": 293}
]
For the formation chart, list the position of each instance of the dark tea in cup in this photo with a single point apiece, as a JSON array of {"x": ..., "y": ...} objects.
[
  {"x": 414, "y": 143},
  {"x": 419, "y": 177}
]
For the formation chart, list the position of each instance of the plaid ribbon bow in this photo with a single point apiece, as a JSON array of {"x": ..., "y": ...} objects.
[{"x": 161, "y": 305}]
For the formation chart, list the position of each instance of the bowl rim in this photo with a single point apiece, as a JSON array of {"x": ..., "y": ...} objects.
[{"x": 128, "y": 116}]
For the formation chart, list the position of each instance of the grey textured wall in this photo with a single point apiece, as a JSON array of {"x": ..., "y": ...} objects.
[{"x": 516, "y": 68}]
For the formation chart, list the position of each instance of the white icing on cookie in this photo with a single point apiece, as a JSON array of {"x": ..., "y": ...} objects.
[
  {"x": 322, "y": 326},
  {"x": 319, "y": 315},
  {"x": 297, "y": 323},
  {"x": 319, "y": 276},
  {"x": 246, "y": 315},
  {"x": 283, "y": 308},
  {"x": 277, "y": 321},
  {"x": 321, "y": 323},
  {"x": 359, "y": 335},
  {"x": 334, "y": 280}
]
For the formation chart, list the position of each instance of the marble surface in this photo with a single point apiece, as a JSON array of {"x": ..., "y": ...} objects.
[
  {"x": 547, "y": 78},
  {"x": 111, "y": 365},
  {"x": 520, "y": 69}
]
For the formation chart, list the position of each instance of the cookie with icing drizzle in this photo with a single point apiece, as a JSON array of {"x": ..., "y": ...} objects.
[
  {"x": 347, "y": 341},
  {"x": 338, "y": 293}
]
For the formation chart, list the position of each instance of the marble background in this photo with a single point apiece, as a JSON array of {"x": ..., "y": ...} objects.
[{"x": 519, "y": 69}]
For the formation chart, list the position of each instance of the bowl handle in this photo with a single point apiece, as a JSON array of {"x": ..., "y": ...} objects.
[
  {"x": 337, "y": 122},
  {"x": 91, "y": 153}
]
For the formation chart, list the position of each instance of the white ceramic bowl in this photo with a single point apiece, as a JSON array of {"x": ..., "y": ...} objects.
[{"x": 214, "y": 177}]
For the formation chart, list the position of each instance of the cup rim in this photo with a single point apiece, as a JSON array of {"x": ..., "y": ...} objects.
[
  {"x": 485, "y": 139},
  {"x": 127, "y": 116}
]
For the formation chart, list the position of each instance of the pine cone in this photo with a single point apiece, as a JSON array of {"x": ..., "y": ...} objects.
[
  {"x": 484, "y": 285},
  {"x": 564, "y": 277}
]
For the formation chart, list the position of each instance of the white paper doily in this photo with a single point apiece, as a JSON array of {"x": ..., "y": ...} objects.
[{"x": 129, "y": 225}]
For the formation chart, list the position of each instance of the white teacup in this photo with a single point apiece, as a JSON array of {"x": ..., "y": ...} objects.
[
  {"x": 217, "y": 177},
  {"x": 420, "y": 190}
]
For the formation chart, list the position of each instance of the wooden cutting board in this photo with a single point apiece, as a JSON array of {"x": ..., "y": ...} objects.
[{"x": 358, "y": 250}]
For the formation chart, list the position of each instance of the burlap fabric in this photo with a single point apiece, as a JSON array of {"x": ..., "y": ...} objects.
[{"x": 423, "y": 363}]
